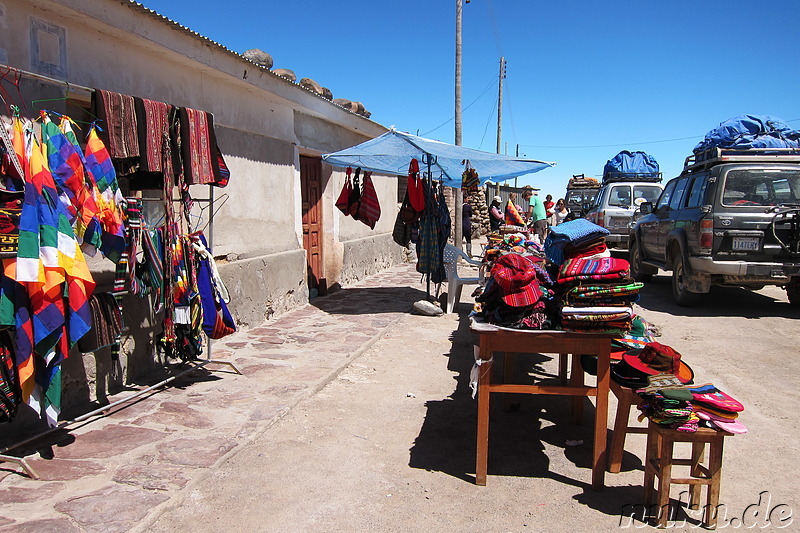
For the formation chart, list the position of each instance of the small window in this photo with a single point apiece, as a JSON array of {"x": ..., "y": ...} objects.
[
  {"x": 697, "y": 193},
  {"x": 677, "y": 197},
  {"x": 620, "y": 196},
  {"x": 666, "y": 196}
]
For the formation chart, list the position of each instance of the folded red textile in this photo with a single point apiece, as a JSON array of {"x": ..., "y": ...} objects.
[{"x": 585, "y": 251}]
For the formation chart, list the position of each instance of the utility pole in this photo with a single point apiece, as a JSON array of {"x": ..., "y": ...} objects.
[
  {"x": 458, "y": 196},
  {"x": 500, "y": 103}
]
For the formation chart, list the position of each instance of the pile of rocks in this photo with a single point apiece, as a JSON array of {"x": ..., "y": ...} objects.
[
  {"x": 480, "y": 212},
  {"x": 263, "y": 59}
]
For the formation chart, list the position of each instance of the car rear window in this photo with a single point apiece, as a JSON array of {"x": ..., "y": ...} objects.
[{"x": 761, "y": 187}]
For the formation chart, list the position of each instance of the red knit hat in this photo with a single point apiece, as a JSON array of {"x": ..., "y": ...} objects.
[
  {"x": 516, "y": 278},
  {"x": 657, "y": 358}
]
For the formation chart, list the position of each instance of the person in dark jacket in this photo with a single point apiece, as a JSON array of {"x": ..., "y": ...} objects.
[
  {"x": 466, "y": 226},
  {"x": 496, "y": 215}
]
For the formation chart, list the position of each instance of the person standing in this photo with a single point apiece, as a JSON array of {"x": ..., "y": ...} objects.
[
  {"x": 537, "y": 214},
  {"x": 496, "y": 215},
  {"x": 466, "y": 226},
  {"x": 560, "y": 211},
  {"x": 548, "y": 208}
]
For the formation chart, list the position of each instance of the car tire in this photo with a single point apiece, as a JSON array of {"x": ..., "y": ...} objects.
[
  {"x": 680, "y": 292},
  {"x": 793, "y": 291},
  {"x": 639, "y": 272}
]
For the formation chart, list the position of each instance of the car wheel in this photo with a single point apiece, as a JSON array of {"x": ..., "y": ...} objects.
[
  {"x": 680, "y": 292},
  {"x": 639, "y": 272},
  {"x": 793, "y": 291}
]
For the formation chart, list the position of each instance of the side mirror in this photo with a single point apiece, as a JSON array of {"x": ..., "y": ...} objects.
[{"x": 646, "y": 208}]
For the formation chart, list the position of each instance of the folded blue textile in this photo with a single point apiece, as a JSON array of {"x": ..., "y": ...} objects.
[{"x": 574, "y": 232}]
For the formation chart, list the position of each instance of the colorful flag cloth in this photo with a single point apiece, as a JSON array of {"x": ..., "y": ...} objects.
[
  {"x": 75, "y": 189},
  {"x": 53, "y": 270},
  {"x": 512, "y": 216},
  {"x": 110, "y": 202}
]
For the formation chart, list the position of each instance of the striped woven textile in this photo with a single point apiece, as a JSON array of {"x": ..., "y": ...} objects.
[
  {"x": 369, "y": 209},
  {"x": 202, "y": 159},
  {"x": 118, "y": 113}
]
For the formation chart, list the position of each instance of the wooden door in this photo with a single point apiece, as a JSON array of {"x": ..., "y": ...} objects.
[{"x": 311, "y": 192}]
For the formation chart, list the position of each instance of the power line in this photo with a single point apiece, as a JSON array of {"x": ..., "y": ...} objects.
[
  {"x": 449, "y": 120},
  {"x": 613, "y": 145},
  {"x": 628, "y": 144},
  {"x": 488, "y": 120}
]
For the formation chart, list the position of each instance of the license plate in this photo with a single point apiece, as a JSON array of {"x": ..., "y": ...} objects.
[{"x": 745, "y": 243}]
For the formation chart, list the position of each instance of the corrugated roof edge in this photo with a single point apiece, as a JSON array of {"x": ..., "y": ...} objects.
[{"x": 133, "y": 4}]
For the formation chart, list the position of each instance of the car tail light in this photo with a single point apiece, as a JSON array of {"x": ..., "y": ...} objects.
[
  {"x": 601, "y": 219},
  {"x": 706, "y": 235}
]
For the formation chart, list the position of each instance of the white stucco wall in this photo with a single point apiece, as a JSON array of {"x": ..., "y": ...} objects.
[{"x": 263, "y": 124}]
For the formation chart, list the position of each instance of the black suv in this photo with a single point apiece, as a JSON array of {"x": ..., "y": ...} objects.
[{"x": 731, "y": 218}]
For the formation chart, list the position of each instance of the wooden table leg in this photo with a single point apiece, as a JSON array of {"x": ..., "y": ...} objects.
[
  {"x": 601, "y": 416},
  {"x": 576, "y": 380},
  {"x": 617, "y": 448},
  {"x": 482, "y": 451}
]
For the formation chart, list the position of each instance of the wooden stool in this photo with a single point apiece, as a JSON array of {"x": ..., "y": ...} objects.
[
  {"x": 626, "y": 398},
  {"x": 659, "y": 462}
]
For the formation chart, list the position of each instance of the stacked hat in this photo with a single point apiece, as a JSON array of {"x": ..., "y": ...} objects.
[
  {"x": 718, "y": 409},
  {"x": 518, "y": 294},
  {"x": 515, "y": 277},
  {"x": 654, "y": 358},
  {"x": 666, "y": 401}
]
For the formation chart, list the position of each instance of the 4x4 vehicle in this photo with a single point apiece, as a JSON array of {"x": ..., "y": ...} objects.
[
  {"x": 731, "y": 218},
  {"x": 581, "y": 192},
  {"x": 629, "y": 179},
  {"x": 616, "y": 204}
]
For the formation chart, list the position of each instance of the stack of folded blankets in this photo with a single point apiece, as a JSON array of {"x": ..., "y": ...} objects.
[
  {"x": 596, "y": 294},
  {"x": 716, "y": 409},
  {"x": 595, "y": 290}
]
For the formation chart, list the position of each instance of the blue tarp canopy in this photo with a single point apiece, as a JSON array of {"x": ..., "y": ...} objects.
[{"x": 392, "y": 152}]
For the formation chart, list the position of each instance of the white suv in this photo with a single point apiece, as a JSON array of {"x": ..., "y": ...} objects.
[{"x": 615, "y": 205}]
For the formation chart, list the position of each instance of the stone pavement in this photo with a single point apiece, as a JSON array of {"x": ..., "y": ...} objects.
[{"x": 112, "y": 472}]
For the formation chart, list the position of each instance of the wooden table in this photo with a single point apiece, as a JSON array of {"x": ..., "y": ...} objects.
[{"x": 500, "y": 340}]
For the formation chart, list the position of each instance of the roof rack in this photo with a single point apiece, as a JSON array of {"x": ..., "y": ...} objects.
[
  {"x": 716, "y": 156},
  {"x": 614, "y": 177}
]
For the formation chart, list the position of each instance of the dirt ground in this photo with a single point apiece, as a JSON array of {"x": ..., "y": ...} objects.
[{"x": 389, "y": 445}]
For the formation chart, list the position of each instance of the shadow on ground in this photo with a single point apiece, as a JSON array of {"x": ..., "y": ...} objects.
[
  {"x": 521, "y": 425},
  {"x": 369, "y": 300},
  {"x": 720, "y": 302}
]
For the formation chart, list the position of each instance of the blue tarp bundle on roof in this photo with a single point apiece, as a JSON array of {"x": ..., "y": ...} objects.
[
  {"x": 391, "y": 153},
  {"x": 628, "y": 163},
  {"x": 750, "y": 131}
]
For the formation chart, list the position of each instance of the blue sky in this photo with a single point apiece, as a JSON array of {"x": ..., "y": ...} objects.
[{"x": 585, "y": 79}]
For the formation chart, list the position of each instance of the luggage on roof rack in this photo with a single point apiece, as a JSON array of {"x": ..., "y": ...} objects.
[
  {"x": 750, "y": 131},
  {"x": 631, "y": 166}
]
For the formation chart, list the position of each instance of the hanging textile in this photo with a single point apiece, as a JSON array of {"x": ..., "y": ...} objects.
[
  {"x": 469, "y": 178},
  {"x": 354, "y": 200},
  {"x": 443, "y": 233},
  {"x": 106, "y": 323},
  {"x": 428, "y": 257},
  {"x": 118, "y": 115},
  {"x": 342, "y": 202},
  {"x": 153, "y": 121},
  {"x": 111, "y": 202},
  {"x": 202, "y": 159},
  {"x": 217, "y": 319},
  {"x": 369, "y": 209},
  {"x": 55, "y": 314},
  {"x": 415, "y": 189}
]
